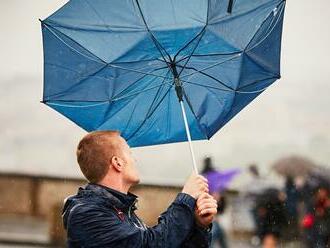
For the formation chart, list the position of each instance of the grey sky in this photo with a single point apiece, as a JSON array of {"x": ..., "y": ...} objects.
[{"x": 293, "y": 116}]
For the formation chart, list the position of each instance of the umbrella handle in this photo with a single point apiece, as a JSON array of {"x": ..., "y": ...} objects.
[{"x": 188, "y": 136}]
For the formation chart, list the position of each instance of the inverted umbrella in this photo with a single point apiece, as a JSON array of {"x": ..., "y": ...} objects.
[{"x": 144, "y": 67}]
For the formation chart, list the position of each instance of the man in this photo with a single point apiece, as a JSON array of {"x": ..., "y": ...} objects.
[{"x": 102, "y": 213}]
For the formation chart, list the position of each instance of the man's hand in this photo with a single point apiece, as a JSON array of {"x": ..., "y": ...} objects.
[
  {"x": 195, "y": 186},
  {"x": 206, "y": 209}
]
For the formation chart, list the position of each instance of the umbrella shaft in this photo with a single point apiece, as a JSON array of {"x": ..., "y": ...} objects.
[{"x": 189, "y": 137}]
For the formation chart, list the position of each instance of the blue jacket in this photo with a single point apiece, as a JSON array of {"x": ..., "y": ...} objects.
[{"x": 101, "y": 217}]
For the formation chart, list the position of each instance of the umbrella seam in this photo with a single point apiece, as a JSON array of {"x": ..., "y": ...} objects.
[
  {"x": 114, "y": 113},
  {"x": 155, "y": 108},
  {"x": 193, "y": 112},
  {"x": 153, "y": 38},
  {"x": 236, "y": 91},
  {"x": 209, "y": 67},
  {"x": 155, "y": 97},
  {"x": 84, "y": 48},
  {"x": 217, "y": 80},
  {"x": 261, "y": 26}
]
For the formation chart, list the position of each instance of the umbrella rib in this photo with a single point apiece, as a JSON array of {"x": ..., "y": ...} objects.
[
  {"x": 209, "y": 90},
  {"x": 228, "y": 90},
  {"x": 193, "y": 112},
  {"x": 248, "y": 85},
  {"x": 77, "y": 72},
  {"x": 216, "y": 54},
  {"x": 206, "y": 86},
  {"x": 63, "y": 93},
  {"x": 101, "y": 61},
  {"x": 99, "y": 16},
  {"x": 205, "y": 74},
  {"x": 93, "y": 74},
  {"x": 132, "y": 84},
  {"x": 211, "y": 66},
  {"x": 117, "y": 110},
  {"x": 153, "y": 38},
  {"x": 154, "y": 99},
  {"x": 107, "y": 64},
  {"x": 186, "y": 45},
  {"x": 260, "y": 28},
  {"x": 72, "y": 48},
  {"x": 139, "y": 92},
  {"x": 200, "y": 38},
  {"x": 268, "y": 31},
  {"x": 185, "y": 81},
  {"x": 78, "y": 83},
  {"x": 207, "y": 55},
  {"x": 150, "y": 114},
  {"x": 138, "y": 71},
  {"x": 92, "y": 27},
  {"x": 96, "y": 103}
]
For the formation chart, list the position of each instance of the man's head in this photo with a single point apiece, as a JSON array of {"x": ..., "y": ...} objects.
[{"x": 106, "y": 153}]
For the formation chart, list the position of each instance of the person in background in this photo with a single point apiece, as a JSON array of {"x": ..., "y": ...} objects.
[
  {"x": 272, "y": 216},
  {"x": 291, "y": 206},
  {"x": 218, "y": 233},
  {"x": 252, "y": 191},
  {"x": 255, "y": 195},
  {"x": 322, "y": 217},
  {"x": 102, "y": 214}
]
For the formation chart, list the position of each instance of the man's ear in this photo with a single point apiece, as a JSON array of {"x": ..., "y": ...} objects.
[{"x": 117, "y": 163}]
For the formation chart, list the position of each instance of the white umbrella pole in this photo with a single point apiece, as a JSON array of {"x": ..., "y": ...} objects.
[{"x": 189, "y": 137}]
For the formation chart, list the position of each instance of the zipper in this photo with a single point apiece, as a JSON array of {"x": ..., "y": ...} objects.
[
  {"x": 131, "y": 214},
  {"x": 130, "y": 208}
]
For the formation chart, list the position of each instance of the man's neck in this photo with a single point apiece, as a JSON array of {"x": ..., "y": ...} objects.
[{"x": 115, "y": 183}]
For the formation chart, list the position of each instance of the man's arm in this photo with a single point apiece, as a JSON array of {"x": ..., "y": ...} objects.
[
  {"x": 95, "y": 227},
  {"x": 199, "y": 238},
  {"x": 206, "y": 209}
]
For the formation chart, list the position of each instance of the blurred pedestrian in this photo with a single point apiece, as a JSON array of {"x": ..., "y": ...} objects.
[
  {"x": 218, "y": 232},
  {"x": 271, "y": 216},
  {"x": 252, "y": 191},
  {"x": 322, "y": 218},
  {"x": 316, "y": 220},
  {"x": 291, "y": 206},
  {"x": 102, "y": 214}
]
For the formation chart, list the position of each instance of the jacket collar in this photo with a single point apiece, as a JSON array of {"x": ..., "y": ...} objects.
[{"x": 114, "y": 197}]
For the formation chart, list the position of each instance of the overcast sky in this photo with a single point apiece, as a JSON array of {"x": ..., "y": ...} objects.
[{"x": 291, "y": 117}]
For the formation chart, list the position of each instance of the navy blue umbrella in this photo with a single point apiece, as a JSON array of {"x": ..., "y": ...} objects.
[{"x": 145, "y": 67}]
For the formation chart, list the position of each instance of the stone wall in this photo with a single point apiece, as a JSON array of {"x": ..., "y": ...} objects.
[
  {"x": 15, "y": 196},
  {"x": 43, "y": 197}
]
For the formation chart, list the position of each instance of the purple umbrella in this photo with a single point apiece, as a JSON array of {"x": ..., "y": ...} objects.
[{"x": 219, "y": 180}]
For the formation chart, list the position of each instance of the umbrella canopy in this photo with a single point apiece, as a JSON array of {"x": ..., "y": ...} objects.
[
  {"x": 294, "y": 166},
  {"x": 122, "y": 64},
  {"x": 220, "y": 180}
]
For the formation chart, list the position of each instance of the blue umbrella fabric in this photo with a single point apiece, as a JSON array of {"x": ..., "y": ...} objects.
[{"x": 122, "y": 64}]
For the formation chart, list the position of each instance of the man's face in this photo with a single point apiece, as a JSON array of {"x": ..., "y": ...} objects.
[{"x": 130, "y": 172}]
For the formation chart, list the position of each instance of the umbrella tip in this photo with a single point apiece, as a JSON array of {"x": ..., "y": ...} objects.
[{"x": 230, "y": 6}]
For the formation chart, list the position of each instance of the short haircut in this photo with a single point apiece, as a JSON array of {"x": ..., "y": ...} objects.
[{"x": 94, "y": 152}]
